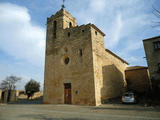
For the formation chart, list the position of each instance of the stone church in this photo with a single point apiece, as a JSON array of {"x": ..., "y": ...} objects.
[{"x": 78, "y": 68}]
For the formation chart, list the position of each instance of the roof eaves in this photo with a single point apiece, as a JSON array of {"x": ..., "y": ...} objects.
[
  {"x": 151, "y": 38},
  {"x": 95, "y": 27},
  {"x": 117, "y": 56}
]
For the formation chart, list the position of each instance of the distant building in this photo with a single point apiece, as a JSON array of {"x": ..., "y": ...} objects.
[
  {"x": 78, "y": 68},
  {"x": 138, "y": 80},
  {"x": 152, "y": 50},
  {"x": 8, "y": 96}
]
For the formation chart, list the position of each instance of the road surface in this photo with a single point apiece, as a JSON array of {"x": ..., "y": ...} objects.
[{"x": 72, "y": 112}]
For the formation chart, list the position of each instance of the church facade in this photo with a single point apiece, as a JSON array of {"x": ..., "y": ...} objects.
[{"x": 78, "y": 68}]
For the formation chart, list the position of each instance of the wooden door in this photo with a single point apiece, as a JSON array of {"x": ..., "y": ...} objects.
[{"x": 67, "y": 93}]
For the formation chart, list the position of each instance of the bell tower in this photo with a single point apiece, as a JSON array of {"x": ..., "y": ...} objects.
[
  {"x": 56, "y": 25},
  {"x": 61, "y": 20}
]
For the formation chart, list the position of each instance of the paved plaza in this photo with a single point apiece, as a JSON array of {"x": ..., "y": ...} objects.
[{"x": 72, "y": 112}]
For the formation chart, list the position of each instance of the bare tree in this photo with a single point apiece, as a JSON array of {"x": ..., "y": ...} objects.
[
  {"x": 156, "y": 12},
  {"x": 9, "y": 83}
]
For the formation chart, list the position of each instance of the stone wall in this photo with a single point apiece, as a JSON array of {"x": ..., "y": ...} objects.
[
  {"x": 5, "y": 100},
  {"x": 36, "y": 95},
  {"x": 153, "y": 59},
  {"x": 109, "y": 70},
  {"x": 138, "y": 80},
  {"x": 10, "y": 96},
  {"x": 13, "y": 96}
]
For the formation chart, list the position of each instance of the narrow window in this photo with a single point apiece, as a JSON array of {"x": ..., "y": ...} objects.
[
  {"x": 83, "y": 31},
  {"x": 156, "y": 45},
  {"x": 69, "y": 34},
  {"x": 70, "y": 25},
  {"x": 54, "y": 28},
  {"x": 96, "y": 32},
  {"x": 80, "y": 52}
]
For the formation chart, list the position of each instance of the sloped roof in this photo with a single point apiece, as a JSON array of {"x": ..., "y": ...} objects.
[
  {"x": 116, "y": 56},
  {"x": 136, "y": 68},
  {"x": 152, "y": 38},
  {"x": 95, "y": 27}
]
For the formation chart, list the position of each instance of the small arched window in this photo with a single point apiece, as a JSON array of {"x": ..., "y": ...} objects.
[
  {"x": 96, "y": 32},
  {"x": 80, "y": 52},
  {"x": 70, "y": 25},
  {"x": 55, "y": 25},
  {"x": 54, "y": 28},
  {"x": 69, "y": 34}
]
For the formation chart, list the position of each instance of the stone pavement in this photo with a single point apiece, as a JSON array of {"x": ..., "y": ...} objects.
[{"x": 72, "y": 112}]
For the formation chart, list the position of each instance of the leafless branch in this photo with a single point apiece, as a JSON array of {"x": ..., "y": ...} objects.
[
  {"x": 9, "y": 83},
  {"x": 156, "y": 12}
]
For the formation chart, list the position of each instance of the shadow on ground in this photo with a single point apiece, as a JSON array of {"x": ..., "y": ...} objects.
[
  {"x": 38, "y": 100},
  {"x": 128, "y": 108},
  {"x": 44, "y": 117}
]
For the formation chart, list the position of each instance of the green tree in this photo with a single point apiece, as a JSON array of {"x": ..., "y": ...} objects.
[
  {"x": 9, "y": 83},
  {"x": 31, "y": 87}
]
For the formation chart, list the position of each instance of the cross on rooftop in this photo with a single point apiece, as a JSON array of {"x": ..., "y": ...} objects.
[{"x": 63, "y": 4}]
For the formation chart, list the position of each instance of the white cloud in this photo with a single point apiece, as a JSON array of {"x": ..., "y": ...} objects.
[
  {"x": 97, "y": 5},
  {"x": 116, "y": 30},
  {"x": 133, "y": 45},
  {"x": 125, "y": 22},
  {"x": 19, "y": 37}
]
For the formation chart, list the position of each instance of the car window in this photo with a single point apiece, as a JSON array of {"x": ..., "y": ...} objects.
[{"x": 129, "y": 94}]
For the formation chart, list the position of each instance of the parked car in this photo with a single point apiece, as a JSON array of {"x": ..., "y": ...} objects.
[{"x": 129, "y": 97}]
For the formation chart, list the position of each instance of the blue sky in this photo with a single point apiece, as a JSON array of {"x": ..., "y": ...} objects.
[{"x": 22, "y": 31}]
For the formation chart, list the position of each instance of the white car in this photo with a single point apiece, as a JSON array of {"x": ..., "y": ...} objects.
[{"x": 128, "y": 97}]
